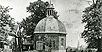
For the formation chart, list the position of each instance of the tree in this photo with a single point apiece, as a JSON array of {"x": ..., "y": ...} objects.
[
  {"x": 93, "y": 29},
  {"x": 38, "y": 11},
  {"x": 6, "y": 23}
]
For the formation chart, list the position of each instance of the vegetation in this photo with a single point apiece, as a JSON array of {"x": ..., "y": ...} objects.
[
  {"x": 6, "y": 23},
  {"x": 93, "y": 29}
]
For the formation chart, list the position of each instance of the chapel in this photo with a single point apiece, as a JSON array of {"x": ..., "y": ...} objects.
[{"x": 50, "y": 33}]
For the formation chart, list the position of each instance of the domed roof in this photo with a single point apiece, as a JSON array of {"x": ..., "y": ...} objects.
[{"x": 50, "y": 25}]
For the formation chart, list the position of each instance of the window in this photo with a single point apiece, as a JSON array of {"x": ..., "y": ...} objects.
[
  {"x": 62, "y": 41},
  {"x": 50, "y": 12},
  {"x": 53, "y": 43},
  {"x": 24, "y": 47},
  {"x": 50, "y": 45}
]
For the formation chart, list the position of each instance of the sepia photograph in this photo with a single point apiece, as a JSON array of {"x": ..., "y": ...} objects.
[{"x": 50, "y": 25}]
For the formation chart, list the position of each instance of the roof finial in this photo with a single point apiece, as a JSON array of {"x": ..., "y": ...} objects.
[
  {"x": 50, "y": 1},
  {"x": 39, "y": 0}
]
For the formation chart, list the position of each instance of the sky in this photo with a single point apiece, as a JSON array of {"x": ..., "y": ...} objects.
[{"x": 70, "y": 12}]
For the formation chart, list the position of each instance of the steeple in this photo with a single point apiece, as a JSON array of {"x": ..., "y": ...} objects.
[{"x": 50, "y": 9}]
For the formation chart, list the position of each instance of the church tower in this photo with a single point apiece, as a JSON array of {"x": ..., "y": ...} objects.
[{"x": 50, "y": 33}]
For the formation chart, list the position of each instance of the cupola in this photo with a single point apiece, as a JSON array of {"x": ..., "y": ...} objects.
[
  {"x": 50, "y": 10},
  {"x": 50, "y": 24}
]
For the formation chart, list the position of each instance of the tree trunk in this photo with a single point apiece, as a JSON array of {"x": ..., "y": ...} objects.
[
  {"x": 99, "y": 45},
  {"x": 19, "y": 44}
]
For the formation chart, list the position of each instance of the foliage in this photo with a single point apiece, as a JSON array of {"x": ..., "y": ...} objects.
[
  {"x": 93, "y": 29},
  {"x": 6, "y": 22}
]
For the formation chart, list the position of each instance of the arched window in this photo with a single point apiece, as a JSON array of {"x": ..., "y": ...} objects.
[
  {"x": 53, "y": 43},
  {"x": 50, "y": 45},
  {"x": 50, "y": 12},
  {"x": 62, "y": 41}
]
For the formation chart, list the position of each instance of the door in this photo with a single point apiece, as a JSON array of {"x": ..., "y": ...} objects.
[{"x": 39, "y": 45}]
